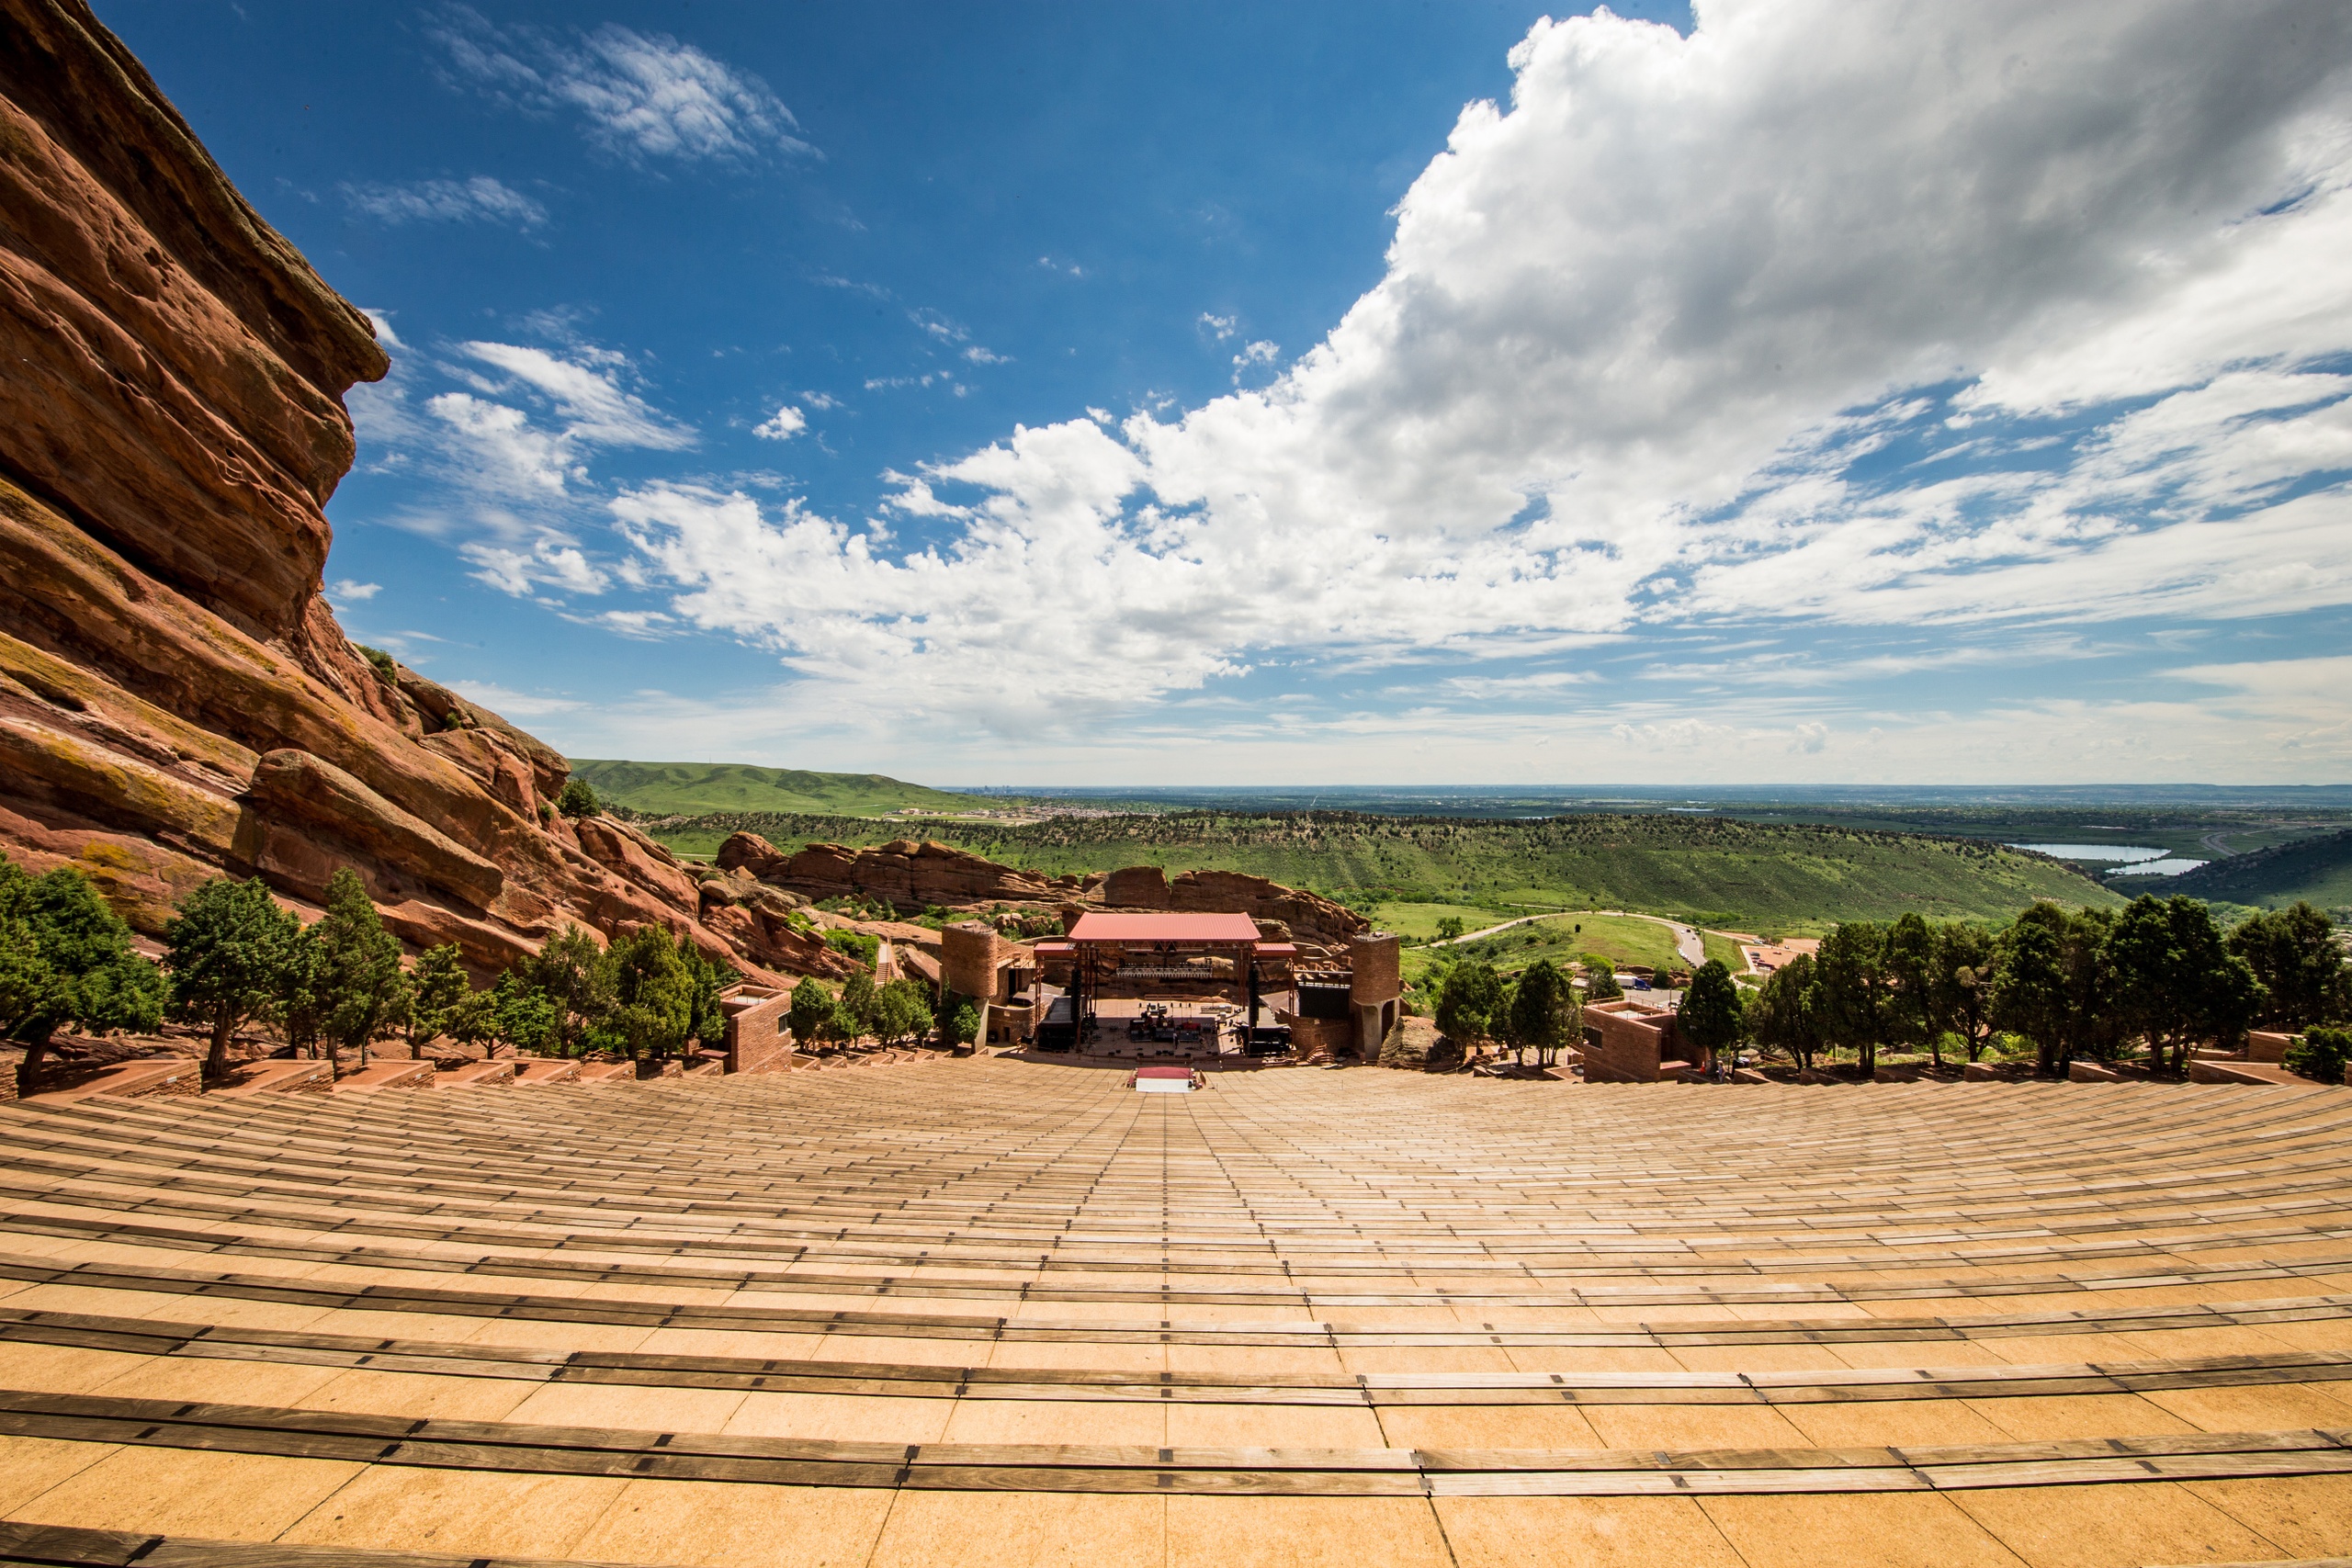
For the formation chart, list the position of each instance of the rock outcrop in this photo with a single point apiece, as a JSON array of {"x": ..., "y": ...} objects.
[
  {"x": 1309, "y": 917},
  {"x": 909, "y": 875},
  {"x": 922, "y": 875},
  {"x": 175, "y": 697}
]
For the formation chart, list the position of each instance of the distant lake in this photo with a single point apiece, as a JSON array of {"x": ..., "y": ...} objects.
[
  {"x": 2168, "y": 866},
  {"x": 2094, "y": 852}
]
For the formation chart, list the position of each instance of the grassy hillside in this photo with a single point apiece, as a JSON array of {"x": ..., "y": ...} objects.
[
  {"x": 2319, "y": 870},
  {"x": 693, "y": 788},
  {"x": 1720, "y": 872}
]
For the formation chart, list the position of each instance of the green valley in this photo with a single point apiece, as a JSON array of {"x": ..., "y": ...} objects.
[
  {"x": 664, "y": 789},
  {"x": 1789, "y": 878}
]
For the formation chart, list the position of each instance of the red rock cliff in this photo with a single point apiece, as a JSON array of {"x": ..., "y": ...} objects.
[{"x": 176, "y": 698}]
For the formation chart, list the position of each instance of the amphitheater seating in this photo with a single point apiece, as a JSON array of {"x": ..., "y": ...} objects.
[{"x": 995, "y": 1311}]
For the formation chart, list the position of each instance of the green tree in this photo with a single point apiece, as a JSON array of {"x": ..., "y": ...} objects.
[
  {"x": 2176, "y": 983},
  {"x": 812, "y": 1013},
  {"x": 1961, "y": 987},
  {"x": 571, "y": 972},
  {"x": 359, "y": 967},
  {"x": 1544, "y": 1012},
  {"x": 2320, "y": 1054},
  {"x": 436, "y": 985},
  {"x": 473, "y": 1019},
  {"x": 1713, "y": 1017},
  {"x": 523, "y": 1018},
  {"x": 853, "y": 1014},
  {"x": 1449, "y": 927},
  {"x": 653, "y": 993},
  {"x": 1601, "y": 978},
  {"x": 1909, "y": 1016},
  {"x": 963, "y": 1024},
  {"x": 1470, "y": 1006},
  {"x": 706, "y": 981},
  {"x": 2294, "y": 954},
  {"x": 68, "y": 960},
  {"x": 228, "y": 944},
  {"x": 577, "y": 798},
  {"x": 1851, "y": 989},
  {"x": 26, "y": 978},
  {"x": 2053, "y": 982},
  {"x": 902, "y": 1011},
  {"x": 1781, "y": 1017},
  {"x": 2032, "y": 994},
  {"x": 300, "y": 1005}
]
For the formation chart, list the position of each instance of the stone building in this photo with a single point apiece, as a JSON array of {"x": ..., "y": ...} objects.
[{"x": 1631, "y": 1041}]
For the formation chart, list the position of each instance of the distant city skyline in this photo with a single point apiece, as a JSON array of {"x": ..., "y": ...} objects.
[{"x": 1383, "y": 394}]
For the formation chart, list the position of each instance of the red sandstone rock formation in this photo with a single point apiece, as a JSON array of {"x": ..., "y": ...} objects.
[
  {"x": 1309, "y": 917},
  {"x": 176, "y": 698},
  {"x": 913, "y": 875},
  {"x": 902, "y": 871}
]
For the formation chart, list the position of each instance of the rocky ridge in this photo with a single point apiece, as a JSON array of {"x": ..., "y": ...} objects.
[
  {"x": 176, "y": 699},
  {"x": 920, "y": 876}
]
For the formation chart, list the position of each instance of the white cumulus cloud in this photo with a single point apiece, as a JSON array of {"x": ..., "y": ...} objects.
[
  {"x": 786, "y": 422},
  {"x": 1641, "y": 329}
]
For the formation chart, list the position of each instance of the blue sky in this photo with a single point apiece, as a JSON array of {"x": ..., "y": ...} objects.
[{"x": 1364, "y": 393}]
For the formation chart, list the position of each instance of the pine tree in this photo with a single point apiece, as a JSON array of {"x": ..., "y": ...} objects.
[
  {"x": 65, "y": 957},
  {"x": 230, "y": 944},
  {"x": 436, "y": 985},
  {"x": 359, "y": 967}
]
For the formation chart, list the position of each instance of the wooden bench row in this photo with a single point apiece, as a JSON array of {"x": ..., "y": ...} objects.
[
  {"x": 146, "y": 1336},
  {"x": 1338, "y": 1335},
  {"x": 513, "y": 1447}
]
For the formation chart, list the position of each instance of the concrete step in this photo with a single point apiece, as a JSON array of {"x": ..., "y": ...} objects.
[
  {"x": 477, "y": 1075},
  {"x": 134, "y": 1080},
  {"x": 386, "y": 1074},
  {"x": 280, "y": 1078}
]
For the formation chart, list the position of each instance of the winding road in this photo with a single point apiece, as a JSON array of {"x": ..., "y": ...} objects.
[{"x": 1686, "y": 940}]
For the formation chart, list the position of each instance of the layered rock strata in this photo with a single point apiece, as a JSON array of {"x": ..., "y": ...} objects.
[
  {"x": 176, "y": 699},
  {"x": 913, "y": 875}
]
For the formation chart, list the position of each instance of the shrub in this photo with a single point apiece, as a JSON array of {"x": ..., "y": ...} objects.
[
  {"x": 857, "y": 944},
  {"x": 380, "y": 659},
  {"x": 963, "y": 1023},
  {"x": 2320, "y": 1054},
  {"x": 577, "y": 799}
]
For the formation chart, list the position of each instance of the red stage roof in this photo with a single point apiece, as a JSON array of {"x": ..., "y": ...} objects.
[{"x": 1164, "y": 928}]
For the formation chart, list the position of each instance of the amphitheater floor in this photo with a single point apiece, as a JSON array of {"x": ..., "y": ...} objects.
[{"x": 995, "y": 1312}]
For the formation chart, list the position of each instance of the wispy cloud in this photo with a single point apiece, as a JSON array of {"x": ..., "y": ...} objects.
[
  {"x": 479, "y": 199},
  {"x": 640, "y": 95},
  {"x": 1258, "y": 356}
]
